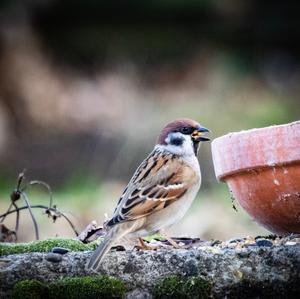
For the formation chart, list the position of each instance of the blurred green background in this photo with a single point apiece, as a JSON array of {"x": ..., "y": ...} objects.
[{"x": 85, "y": 87}]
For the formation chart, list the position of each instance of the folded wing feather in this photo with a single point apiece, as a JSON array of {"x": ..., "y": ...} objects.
[{"x": 159, "y": 181}]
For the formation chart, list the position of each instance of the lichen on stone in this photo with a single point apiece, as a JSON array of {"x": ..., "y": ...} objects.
[
  {"x": 176, "y": 286},
  {"x": 44, "y": 246},
  {"x": 88, "y": 287}
]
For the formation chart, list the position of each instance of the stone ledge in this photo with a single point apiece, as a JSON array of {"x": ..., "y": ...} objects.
[{"x": 236, "y": 273}]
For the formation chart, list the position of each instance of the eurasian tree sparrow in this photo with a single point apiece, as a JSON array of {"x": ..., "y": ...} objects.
[{"x": 161, "y": 189}]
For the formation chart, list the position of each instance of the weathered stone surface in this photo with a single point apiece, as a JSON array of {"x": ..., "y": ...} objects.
[{"x": 236, "y": 273}]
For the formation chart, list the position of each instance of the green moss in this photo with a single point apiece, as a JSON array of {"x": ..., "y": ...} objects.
[
  {"x": 197, "y": 287},
  {"x": 168, "y": 287},
  {"x": 179, "y": 287},
  {"x": 30, "y": 289},
  {"x": 71, "y": 288},
  {"x": 44, "y": 246},
  {"x": 87, "y": 287}
]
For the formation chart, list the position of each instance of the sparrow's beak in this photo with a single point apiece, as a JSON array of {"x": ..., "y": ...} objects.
[{"x": 197, "y": 135}]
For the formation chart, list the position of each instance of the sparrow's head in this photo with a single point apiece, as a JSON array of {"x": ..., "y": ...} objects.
[{"x": 182, "y": 136}]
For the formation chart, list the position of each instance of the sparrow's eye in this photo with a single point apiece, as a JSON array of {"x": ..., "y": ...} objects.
[{"x": 186, "y": 130}]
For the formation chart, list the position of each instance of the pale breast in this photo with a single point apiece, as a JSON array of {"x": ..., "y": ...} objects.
[{"x": 172, "y": 213}]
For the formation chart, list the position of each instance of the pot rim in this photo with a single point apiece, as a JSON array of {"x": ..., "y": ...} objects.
[
  {"x": 225, "y": 176},
  {"x": 276, "y": 145}
]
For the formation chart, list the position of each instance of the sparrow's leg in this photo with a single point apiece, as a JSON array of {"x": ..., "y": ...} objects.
[{"x": 170, "y": 240}]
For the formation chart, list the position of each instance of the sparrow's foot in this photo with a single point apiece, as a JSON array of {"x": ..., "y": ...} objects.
[
  {"x": 144, "y": 246},
  {"x": 170, "y": 240}
]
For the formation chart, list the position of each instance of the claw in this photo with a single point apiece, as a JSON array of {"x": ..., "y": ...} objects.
[{"x": 143, "y": 246}]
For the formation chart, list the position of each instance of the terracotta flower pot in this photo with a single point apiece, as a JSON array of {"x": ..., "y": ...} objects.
[{"x": 262, "y": 169}]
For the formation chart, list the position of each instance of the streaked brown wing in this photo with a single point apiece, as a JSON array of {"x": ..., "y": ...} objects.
[{"x": 158, "y": 182}]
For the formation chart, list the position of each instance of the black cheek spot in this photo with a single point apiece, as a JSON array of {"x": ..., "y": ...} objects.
[{"x": 176, "y": 141}]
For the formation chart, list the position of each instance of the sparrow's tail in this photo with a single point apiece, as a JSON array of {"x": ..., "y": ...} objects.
[
  {"x": 99, "y": 253},
  {"x": 112, "y": 236}
]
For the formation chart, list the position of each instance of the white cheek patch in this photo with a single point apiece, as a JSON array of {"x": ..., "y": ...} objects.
[
  {"x": 186, "y": 148},
  {"x": 174, "y": 136}
]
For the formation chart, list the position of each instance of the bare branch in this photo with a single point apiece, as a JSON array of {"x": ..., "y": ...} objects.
[
  {"x": 20, "y": 179},
  {"x": 71, "y": 224},
  {"x": 47, "y": 209},
  {"x": 50, "y": 210},
  {"x": 3, "y": 216},
  {"x": 32, "y": 216},
  {"x": 37, "y": 182},
  {"x": 17, "y": 217}
]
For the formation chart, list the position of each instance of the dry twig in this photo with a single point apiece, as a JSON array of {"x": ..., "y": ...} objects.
[{"x": 19, "y": 193}]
